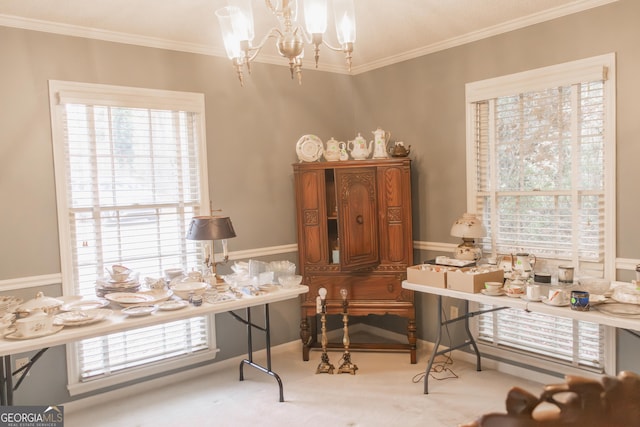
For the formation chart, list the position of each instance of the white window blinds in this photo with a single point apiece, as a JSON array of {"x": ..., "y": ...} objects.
[
  {"x": 541, "y": 163},
  {"x": 129, "y": 178},
  {"x": 540, "y": 172},
  {"x": 556, "y": 339}
]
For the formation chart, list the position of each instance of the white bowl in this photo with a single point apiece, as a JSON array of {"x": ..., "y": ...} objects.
[
  {"x": 290, "y": 281},
  {"x": 184, "y": 289}
]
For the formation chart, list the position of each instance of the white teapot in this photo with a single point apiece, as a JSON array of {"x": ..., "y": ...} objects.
[
  {"x": 332, "y": 150},
  {"x": 380, "y": 139},
  {"x": 358, "y": 148}
]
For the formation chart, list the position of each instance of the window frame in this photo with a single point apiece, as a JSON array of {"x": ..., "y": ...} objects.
[
  {"x": 63, "y": 92},
  {"x": 589, "y": 69}
]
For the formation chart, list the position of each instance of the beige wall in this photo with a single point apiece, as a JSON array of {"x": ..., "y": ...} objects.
[
  {"x": 252, "y": 131},
  {"x": 251, "y": 138},
  {"x": 422, "y": 102},
  {"x": 251, "y": 134}
]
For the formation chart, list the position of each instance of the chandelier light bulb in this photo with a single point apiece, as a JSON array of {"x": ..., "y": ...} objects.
[{"x": 315, "y": 16}]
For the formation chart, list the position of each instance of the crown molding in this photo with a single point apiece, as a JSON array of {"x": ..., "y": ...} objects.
[
  {"x": 505, "y": 27},
  {"x": 160, "y": 43},
  {"x": 105, "y": 35}
]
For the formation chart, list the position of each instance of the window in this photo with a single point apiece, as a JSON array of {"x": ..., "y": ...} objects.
[
  {"x": 130, "y": 170},
  {"x": 541, "y": 175}
]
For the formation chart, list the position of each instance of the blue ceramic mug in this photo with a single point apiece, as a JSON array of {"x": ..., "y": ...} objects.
[{"x": 580, "y": 300}]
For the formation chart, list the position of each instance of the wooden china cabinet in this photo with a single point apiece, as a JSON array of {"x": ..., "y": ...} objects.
[{"x": 362, "y": 210}]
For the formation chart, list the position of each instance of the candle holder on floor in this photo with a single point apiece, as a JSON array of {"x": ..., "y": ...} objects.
[
  {"x": 346, "y": 367},
  {"x": 325, "y": 367}
]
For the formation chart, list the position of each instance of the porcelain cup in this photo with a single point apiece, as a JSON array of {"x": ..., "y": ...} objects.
[
  {"x": 580, "y": 300},
  {"x": 515, "y": 289},
  {"x": 533, "y": 292},
  {"x": 493, "y": 287},
  {"x": 557, "y": 297},
  {"x": 565, "y": 274}
]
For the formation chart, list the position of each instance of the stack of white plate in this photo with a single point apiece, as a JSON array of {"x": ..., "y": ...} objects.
[{"x": 106, "y": 286}]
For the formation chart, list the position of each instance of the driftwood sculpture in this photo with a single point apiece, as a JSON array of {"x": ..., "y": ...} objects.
[{"x": 611, "y": 402}]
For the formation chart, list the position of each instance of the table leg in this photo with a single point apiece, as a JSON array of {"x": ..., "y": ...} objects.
[
  {"x": 3, "y": 379},
  {"x": 249, "y": 361},
  {"x": 469, "y": 340},
  {"x": 435, "y": 347}
]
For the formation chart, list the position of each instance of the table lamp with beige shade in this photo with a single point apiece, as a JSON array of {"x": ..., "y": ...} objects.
[{"x": 468, "y": 227}]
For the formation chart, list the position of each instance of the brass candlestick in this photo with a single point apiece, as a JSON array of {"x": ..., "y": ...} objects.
[
  {"x": 346, "y": 366},
  {"x": 325, "y": 367}
]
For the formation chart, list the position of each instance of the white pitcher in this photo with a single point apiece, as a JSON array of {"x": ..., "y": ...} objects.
[
  {"x": 380, "y": 140},
  {"x": 524, "y": 262}
]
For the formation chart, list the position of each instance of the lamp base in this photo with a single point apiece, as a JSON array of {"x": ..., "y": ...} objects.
[{"x": 467, "y": 251}]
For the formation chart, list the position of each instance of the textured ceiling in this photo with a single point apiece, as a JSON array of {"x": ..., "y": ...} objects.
[{"x": 388, "y": 31}]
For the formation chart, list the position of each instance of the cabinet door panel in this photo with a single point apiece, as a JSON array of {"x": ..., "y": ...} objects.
[
  {"x": 395, "y": 211},
  {"x": 358, "y": 220},
  {"x": 312, "y": 222}
]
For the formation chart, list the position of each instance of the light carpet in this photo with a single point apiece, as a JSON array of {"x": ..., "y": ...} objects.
[{"x": 383, "y": 392}]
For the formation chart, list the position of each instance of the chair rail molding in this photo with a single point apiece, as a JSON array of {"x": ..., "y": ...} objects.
[
  {"x": 56, "y": 278},
  {"x": 30, "y": 282}
]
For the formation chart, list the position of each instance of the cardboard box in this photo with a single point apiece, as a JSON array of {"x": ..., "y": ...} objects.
[
  {"x": 427, "y": 274},
  {"x": 466, "y": 281}
]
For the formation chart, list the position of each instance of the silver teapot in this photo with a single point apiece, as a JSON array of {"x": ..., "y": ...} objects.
[{"x": 399, "y": 150}]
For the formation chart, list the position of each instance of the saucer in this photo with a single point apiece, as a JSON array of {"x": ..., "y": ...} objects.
[
  {"x": 85, "y": 304},
  {"x": 81, "y": 317},
  {"x": 15, "y": 336},
  {"x": 139, "y": 310},
  {"x": 515, "y": 294},
  {"x": 546, "y": 301},
  {"x": 500, "y": 293},
  {"x": 524, "y": 297},
  {"x": 173, "y": 305}
]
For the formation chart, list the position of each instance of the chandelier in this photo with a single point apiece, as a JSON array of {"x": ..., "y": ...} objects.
[{"x": 236, "y": 24}]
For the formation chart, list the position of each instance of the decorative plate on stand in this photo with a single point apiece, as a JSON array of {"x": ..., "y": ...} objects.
[{"x": 309, "y": 148}]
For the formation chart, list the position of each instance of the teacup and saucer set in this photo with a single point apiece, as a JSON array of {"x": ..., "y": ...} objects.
[
  {"x": 532, "y": 293},
  {"x": 515, "y": 288},
  {"x": 493, "y": 289},
  {"x": 557, "y": 298}
]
